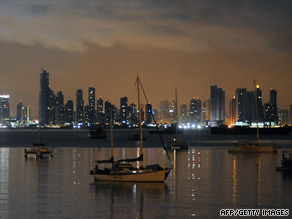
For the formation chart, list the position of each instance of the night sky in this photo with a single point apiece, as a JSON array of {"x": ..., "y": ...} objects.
[{"x": 190, "y": 45}]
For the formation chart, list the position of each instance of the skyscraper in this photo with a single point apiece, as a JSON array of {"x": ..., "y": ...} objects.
[
  {"x": 79, "y": 106},
  {"x": 4, "y": 107},
  {"x": 133, "y": 119},
  {"x": 91, "y": 104},
  {"x": 19, "y": 109},
  {"x": 232, "y": 111},
  {"x": 69, "y": 114},
  {"x": 60, "y": 108},
  {"x": 195, "y": 110},
  {"x": 44, "y": 98},
  {"x": 217, "y": 113},
  {"x": 124, "y": 110},
  {"x": 257, "y": 103},
  {"x": 274, "y": 108},
  {"x": 206, "y": 111},
  {"x": 148, "y": 110},
  {"x": 183, "y": 113},
  {"x": 100, "y": 113},
  {"x": 243, "y": 105},
  {"x": 52, "y": 108}
]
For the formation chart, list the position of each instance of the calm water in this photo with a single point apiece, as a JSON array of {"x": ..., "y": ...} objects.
[{"x": 203, "y": 181}]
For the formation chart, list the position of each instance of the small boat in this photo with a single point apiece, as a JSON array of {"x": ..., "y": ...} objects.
[
  {"x": 38, "y": 151},
  {"x": 286, "y": 161},
  {"x": 177, "y": 144},
  {"x": 252, "y": 146},
  {"x": 122, "y": 170},
  {"x": 136, "y": 137},
  {"x": 97, "y": 132}
]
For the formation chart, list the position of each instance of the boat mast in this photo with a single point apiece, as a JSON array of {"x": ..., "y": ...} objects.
[
  {"x": 140, "y": 116},
  {"x": 111, "y": 125},
  {"x": 257, "y": 113},
  {"x": 176, "y": 111}
]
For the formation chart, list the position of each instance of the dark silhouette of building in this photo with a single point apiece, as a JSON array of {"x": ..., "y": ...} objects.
[
  {"x": 79, "y": 106},
  {"x": 217, "y": 113},
  {"x": 69, "y": 113},
  {"x": 4, "y": 107},
  {"x": 91, "y": 104},
  {"x": 195, "y": 111},
  {"x": 60, "y": 108},
  {"x": 52, "y": 108},
  {"x": 133, "y": 116},
  {"x": 258, "y": 104},
  {"x": 148, "y": 110},
  {"x": 124, "y": 110},
  {"x": 100, "y": 112},
  {"x": 44, "y": 98},
  {"x": 183, "y": 113},
  {"x": 19, "y": 111},
  {"x": 206, "y": 111},
  {"x": 274, "y": 108},
  {"x": 243, "y": 105}
]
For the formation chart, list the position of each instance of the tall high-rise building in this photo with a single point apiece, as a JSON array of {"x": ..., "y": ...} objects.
[
  {"x": 217, "y": 113},
  {"x": 60, "y": 108},
  {"x": 4, "y": 107},
  {"x": 79, "y": 106},
  {"x": 243, "y": 105},
  {"x": 183, "y": 113},
  {"x": 258, "y": 104},
  {"x": 69, "y": 113},
  {"x": 124, "y": 110},
  {"x": 133, "y": 119},
  {"x": 100, "y": 112},
  {"x": 52, "y": 108},
  {"x": 163, "y": 110},
  {"x": 232, "y": 111},
  {"x": 206, "y": 112},
  {"x": 18, "y": 111},
  {"x": 44, "y": 98},
  {"x": 91, "y": 104},
  {"x": 148, "y": 112},
  {"x": 25, "y": 114},
  {"x": 283, "y": 116},
  {"x": 173, "y": 111},
  {"x": 195, "y": 110},
  {"x": 274, "y": 108}
]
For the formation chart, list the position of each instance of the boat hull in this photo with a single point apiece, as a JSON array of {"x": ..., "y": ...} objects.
[
  {"x": 38, "y": 153},
  {"x": 252, "y": 149},
  {"x": 143, "y": 176}
]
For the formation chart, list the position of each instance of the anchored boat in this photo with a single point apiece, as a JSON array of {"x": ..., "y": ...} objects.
[
  {"x": 123, "y": 170},
  {"x": 39, "y": 150}
]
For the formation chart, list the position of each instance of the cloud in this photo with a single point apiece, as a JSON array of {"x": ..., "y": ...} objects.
[{"x": 180, "y": 25}]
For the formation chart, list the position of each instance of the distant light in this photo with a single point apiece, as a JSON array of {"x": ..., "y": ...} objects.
[
  {"x": 193, "y": 126},
  {"x": 4, "y": 96},
  {"x": 199, "y": 126}
]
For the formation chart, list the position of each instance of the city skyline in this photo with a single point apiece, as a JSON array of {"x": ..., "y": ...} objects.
[{"x": 188, "y": 45}]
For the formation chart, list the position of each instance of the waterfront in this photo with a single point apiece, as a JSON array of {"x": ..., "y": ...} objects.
[{"x": 204, "y": 180}]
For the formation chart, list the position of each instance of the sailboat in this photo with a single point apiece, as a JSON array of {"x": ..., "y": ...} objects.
[
  {"x": 39, "y": 150},
  {"x": 176, "y": 143},
  {"x": 122, "y": 170},
  {"x": 253, "y": 146}
]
